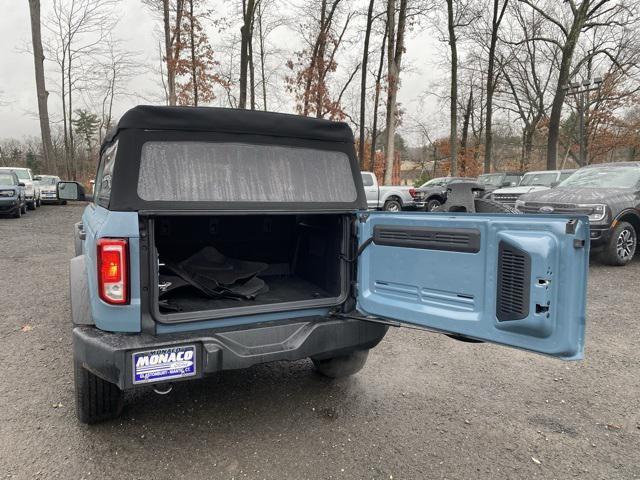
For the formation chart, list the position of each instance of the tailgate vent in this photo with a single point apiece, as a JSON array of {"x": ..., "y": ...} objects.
[
  {"x": 514, "y": 283},
  {"x": 465, "y": 240}
]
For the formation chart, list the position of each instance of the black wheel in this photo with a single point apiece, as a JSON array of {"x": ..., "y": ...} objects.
[
  {"x": 23, "y": 208},
  {"x": 17, "y": 213},
  {"x": 392, "y": 206},
  {"x": 38, "y": 203},
  {"x": 62, "y": 202},
  {"x": 96, "y": 399},
  {"x": 622, "y": 245},
  {"x": 31, "y": 205},
  {"x": 339, "y": 367},
  {"x": 484, "y": 205},
  {"x": 432, "y": 204}
]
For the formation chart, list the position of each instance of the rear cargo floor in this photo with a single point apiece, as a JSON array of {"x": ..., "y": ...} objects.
[{"x": 282, "y": 289}]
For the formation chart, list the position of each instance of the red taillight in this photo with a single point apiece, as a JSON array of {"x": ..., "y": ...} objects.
[
  {"x": 412, "y": 192},
  {"x": 113, "y": 274}
]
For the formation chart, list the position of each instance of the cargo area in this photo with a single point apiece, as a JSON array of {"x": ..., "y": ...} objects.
[{"x": 236, "y": 264}]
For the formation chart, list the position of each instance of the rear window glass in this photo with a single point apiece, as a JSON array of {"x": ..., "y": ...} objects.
[
  {"x": 236, "y": 172},
  {"x": 367, "y": 180}
]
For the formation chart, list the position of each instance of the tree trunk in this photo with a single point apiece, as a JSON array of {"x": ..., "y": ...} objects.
[
  {"x": 322, "y": 45},
  {"x": 245, "y": 39},
  {"x": 376, "y": 103},
  {"x": 465, "y": 133},
  {"x": 363, "y": 83},
  {"x": 194, "y": 75},
  {"x": 262, "y": 57},
  {"x": 252, "y": 75},
  {"x": 563, "y": 80},
  {"x": 395, "y": 47},
  {"x": 72, "y": 148},
  {"x": 491, "y": 83},
  {"x": 453, "y": 132},
  {"x": 527, "y": 146},
  {"x": 168, "y": 52},
  {"x": 41, "y": 90}
]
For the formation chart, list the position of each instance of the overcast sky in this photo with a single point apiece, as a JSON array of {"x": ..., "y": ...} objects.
[{"x": 18, "y": 107}]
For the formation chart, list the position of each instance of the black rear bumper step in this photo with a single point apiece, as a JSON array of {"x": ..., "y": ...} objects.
[{"x": 109, "y": 355}]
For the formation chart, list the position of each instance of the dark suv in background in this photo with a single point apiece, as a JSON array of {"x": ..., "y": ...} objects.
[
  {"x": 610, "y": 195},
  {"x": 432, "y": 194},
  {"x": 12, "y": 198}
]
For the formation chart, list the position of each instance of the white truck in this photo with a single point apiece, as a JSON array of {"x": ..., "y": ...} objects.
[{"x": 390, "y": 198}]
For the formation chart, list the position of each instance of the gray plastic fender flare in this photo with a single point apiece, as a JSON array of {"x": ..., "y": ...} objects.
[{"x": 79, "y": 288}]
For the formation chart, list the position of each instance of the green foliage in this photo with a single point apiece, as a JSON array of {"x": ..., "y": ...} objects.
[
  {"x": 86, "y": 126},
  {"x": 424, "y": 177},
  {"x": 400, "y": 144},
  {"x": 33, "y": 162}
]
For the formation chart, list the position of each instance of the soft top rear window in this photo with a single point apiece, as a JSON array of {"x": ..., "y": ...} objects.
[{"x": 193, "y": 171}]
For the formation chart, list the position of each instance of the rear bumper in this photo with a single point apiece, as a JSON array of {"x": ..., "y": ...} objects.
[
  {"x": 48, "y": 197},
  {"x": 110, "y": 355}
]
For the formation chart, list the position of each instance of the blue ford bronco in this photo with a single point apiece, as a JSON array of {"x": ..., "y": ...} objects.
[{"x": 218, "y": 239}]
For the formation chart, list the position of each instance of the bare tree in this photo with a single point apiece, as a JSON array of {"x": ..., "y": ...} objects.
[
  {"x": 499, "y": 8},
  {"x": 528, "y": 69},
  {"x": 376, "y": 100},
  {"x": 113, "y": 74},
  {"x": 589, "y": 14},
  {"x": 79, "y": 29},
  {"x": 249, "y": 8},
  {"x": 266, "y": 24},
  {"x": 41, "y": 89},
  {"x": 171, "y": 13},
  {"x": 363, "y": 82},
  {"x": 453, "y": 97},
  {"x": 316, "y": 63},
  {"x": 395, "y": 50}
]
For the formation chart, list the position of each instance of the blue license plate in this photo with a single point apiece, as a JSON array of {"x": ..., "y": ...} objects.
[{"x": 163, "y": 364}]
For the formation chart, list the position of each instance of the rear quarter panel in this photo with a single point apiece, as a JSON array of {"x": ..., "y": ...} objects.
[{"x": 101, "y": 223}]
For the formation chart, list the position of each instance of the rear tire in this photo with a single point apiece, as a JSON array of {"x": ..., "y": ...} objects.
[
  {"x": 17, "y": 213},
  {"x": 392, "y": 206},
  {"x": 622, "y": 245},
  {"x": 343, "y": 366},
  {"x": 31, "y": 205},
  {"x": 96, "y": 399},
  {"x": 38, "y": 203}
]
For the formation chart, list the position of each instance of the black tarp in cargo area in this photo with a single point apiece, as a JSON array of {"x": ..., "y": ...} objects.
[{"x": 144, "y": 124}]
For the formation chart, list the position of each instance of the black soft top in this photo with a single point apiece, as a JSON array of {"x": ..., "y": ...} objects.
[
  {"x": 230, "y": 120},
  {"x": 170, "y": 125}
]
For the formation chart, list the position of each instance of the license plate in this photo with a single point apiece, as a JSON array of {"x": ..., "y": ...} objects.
[{"x": 164, "y": 364}]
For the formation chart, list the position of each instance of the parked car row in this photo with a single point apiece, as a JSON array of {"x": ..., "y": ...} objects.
[
  {"x": 20, "y": 190},
  {"x": 609, "y": 194}
]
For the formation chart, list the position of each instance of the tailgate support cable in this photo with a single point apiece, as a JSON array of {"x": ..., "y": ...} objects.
[{"x": 361, "y": 249}]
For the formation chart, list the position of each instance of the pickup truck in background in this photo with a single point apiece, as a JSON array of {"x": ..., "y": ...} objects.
[
  {"x": 389, "y": 198},
  {"x": 529, "y": 183}
]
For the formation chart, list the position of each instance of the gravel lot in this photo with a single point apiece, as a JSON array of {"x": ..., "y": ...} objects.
[{"x": 425, "y": 406}]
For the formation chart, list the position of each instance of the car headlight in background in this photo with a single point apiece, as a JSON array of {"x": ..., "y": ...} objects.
[
  {"x": 7, "y": 193},
  {"x": 598, "y": 212}
]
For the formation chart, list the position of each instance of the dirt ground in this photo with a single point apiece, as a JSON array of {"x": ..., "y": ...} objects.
[{"x": 425, "y": 406}]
